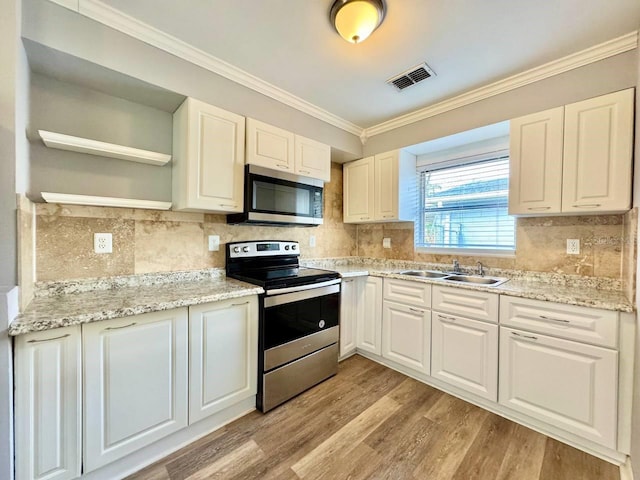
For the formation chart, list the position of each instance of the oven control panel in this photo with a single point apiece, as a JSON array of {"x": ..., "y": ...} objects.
[{"x": 263, "y": 249}]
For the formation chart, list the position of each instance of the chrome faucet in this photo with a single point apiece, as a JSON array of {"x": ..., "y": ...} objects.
[
  {"x": 456, "y": 266},
  {"x": 480, "y": 270}
]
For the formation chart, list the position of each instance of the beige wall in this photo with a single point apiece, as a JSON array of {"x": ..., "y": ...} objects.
[
  {"x": 605, "y": 76},
  {"x": 150, "y": 241}
]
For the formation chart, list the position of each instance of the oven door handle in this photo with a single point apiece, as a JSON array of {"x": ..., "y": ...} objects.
[
  {"x": 300, "y": 295},
  {"x": 278, "y": 291}
]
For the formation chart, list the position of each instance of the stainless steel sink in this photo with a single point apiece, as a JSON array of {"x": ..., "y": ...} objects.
[
  {"x": 488, "y": 281},
  {"x": 423, "y": 273}
]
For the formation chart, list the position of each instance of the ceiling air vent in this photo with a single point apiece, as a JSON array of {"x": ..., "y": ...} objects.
[{"x": 412, "y": 76}]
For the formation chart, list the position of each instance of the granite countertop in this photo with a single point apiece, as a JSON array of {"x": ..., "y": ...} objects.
[
  {"x": 61, "y": 309},
  {"x": 571, "y": 290}
]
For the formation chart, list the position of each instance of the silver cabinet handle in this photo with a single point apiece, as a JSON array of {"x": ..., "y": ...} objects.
[
  {"x": 364, "y": 218},
  {"x": 49, "y": 339},
  {"x": 561, "y": 320},
  {"x": 446, "y": 319},
  {"x": 528, "y": 337},
  {"x": 347, "y": 281},
  {"x": 239, "y": 304},
  {"x": 286, "y": 167},
  {"x": 123, "y": 326},
  {"x": 416, "y": 310},
  {"x": 538, "y": 208},
  {"x": 233, "y": 205},
  {"x": 587, "y": 205},
  {"x": 305, "y": 171}
]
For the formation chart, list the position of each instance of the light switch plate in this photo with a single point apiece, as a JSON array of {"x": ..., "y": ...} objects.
[
  {"x": 214, "y": 243},
  {"x": 312, "y": 240},
  {"x": 102, "y": 243},
  {"x": 573, "y": 246},
  {"x": 386, "y": 243}
]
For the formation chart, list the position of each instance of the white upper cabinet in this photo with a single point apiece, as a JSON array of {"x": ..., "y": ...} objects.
[
  {"x": 380, "y": 188},
  {"x": 573, "y": 159},
  {"x": 313, "y": 159},
  {"x": 278, "y": 149},
  {"x": 535, "y": 181},
  {"x": 270, "y": 146},
  {"x": 598, "y": 147},
  {"x": 358, "y": 185},
  {"x": 208, "y": 158},
  {"x": 48, "y": 394}
]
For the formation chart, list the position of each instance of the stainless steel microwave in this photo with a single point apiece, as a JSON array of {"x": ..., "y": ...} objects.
[{"x": 279, "y": 198}]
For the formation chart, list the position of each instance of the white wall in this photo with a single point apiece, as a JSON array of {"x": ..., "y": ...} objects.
[{"x": 614, "y": 73}]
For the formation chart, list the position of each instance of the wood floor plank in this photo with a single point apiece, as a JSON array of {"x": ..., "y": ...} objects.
[
  {"x": 485, "y": 455},
  {"x": 372, "y": 423},
  {"x": 523, "y": 459},
  {"x": 231, "y": 464},
  {"x": 562, "y": 461},
  {"x": 313, "y": 465}
]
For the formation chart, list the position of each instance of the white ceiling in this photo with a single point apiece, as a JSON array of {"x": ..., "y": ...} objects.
[{"x": 469, "y": 43}]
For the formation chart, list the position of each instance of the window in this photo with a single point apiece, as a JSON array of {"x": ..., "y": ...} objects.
[{"x": 465, "y": 207}]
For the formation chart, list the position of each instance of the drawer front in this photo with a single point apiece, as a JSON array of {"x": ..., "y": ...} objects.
[
  {"x": 584, "y": 324},
  {"x": 467, "y": 303},
  {"x": 410, "y": 293}
]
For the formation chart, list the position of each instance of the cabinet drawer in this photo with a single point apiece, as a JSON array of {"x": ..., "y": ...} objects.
[
  {"x": 584, "y": 324},
  {"x": 467, "y": 303},
  {"x": 410, "y": 293}
]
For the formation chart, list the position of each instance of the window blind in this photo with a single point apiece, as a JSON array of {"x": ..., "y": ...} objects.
[{"x": 466, "y": 206}]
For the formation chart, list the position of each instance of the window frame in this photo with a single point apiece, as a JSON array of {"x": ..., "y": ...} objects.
[{"x": 450, "y": 162}]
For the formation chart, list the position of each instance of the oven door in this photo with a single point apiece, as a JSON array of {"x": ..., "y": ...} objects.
[{"x": 299, "y": 323}]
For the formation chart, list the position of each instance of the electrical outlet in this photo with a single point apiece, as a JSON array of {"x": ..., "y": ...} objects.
[
  {"x": 312, "y": 240},
  {"x": 386, "y": 243},
  {"x": 102, "y": 243},
  {"x": 214, "y": 243},
  {"x": 573, "y": 246}
]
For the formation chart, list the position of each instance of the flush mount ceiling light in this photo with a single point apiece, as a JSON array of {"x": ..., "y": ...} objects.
[{"x": 355, "y": 20}]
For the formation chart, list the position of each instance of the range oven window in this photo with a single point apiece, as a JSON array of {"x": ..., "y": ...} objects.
[
  {"x": 293, "y": 320},
  {"x": 271, "y": 195}
]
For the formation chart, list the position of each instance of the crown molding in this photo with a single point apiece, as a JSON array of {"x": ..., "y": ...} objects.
[
  {"x": 590, "y": 55},
  {"x": 113, "y": 18}
]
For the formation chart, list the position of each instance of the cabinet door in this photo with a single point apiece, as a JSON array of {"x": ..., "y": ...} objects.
[
  {"x": 535, "y": 177},
  {"x": 312, "y": 159},
  {"x": 369, "y": 322},
  {"x": 567, "y": 384},
  {"x": 48, "y": 411},
  {"x": 350, "y": 301},
  {"x": 406, "y": 336},
  {"x": 223, "y": 367},
  {"x": 598, "y": 147},
  {"x": 208, "y": 164},
  {"x": 386, "y": 186},
  {"x": 135, "y": 383},
  {"x": 465, "y": 354},
  {"x": 270, "y": 146},
  {"x": 358, "y": 188}
]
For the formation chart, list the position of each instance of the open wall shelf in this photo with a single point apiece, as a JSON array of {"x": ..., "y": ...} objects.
[
  {"x": 71, "y": 199},
  {"x": 95, "y": 147}
]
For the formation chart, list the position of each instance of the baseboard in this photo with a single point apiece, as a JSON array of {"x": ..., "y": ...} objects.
[{"x": 626, "y": 472}]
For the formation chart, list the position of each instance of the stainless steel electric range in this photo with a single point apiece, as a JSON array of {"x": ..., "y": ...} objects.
[{"x": 299, "y": 318}]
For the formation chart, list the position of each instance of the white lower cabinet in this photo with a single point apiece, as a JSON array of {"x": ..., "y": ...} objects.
[
  {"x": 570, "y": 385},
  {"x": 48, "y": 409},
  {"x": 465, "y": 354},
  {"x": 369, "y": 323},
  {"x": 352, "y": 291},
  {"x": 406, "y": 336},
  {"x": 135, "y": 383},
  {"x": 223, "y": 367}
]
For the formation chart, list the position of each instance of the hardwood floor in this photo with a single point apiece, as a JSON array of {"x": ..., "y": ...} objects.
[{"x": 370, "y": 422}]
